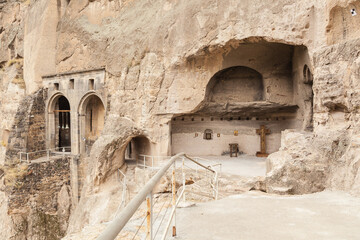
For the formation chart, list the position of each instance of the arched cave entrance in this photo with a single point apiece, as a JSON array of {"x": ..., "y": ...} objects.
[
  {"x": 92, "y": 118},
  {"x": 259, "y": 90},
  {"x": 62, "y": 122},
  {"x": 137, "y": 147}
]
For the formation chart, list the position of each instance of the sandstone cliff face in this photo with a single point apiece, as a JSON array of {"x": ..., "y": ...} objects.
[
  {"x": 160, "y": 55},
  {"x": 327, "y": 158}
]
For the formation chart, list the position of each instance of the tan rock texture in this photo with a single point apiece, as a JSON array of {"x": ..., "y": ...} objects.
[{"x": 159, "y": 56}]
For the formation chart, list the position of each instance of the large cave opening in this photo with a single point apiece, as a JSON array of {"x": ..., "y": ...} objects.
[{"x": 259, "y": 86}]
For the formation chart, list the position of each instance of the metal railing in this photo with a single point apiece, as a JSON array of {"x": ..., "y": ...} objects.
[
  {"x": 148, "y": 161},
  {"x": 146, "y": 193},
  {"x": 27, "y": 156},
  {"x": 124, "y": 190},
  {"x": 213, "y": 180}
]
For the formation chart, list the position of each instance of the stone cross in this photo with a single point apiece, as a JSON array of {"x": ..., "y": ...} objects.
[{"x": 262, "y": 132}]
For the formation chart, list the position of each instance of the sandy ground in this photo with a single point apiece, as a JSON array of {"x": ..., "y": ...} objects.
[
  {"x": 259, "y": 216},
  {"x": 250, "y": 215},
  {"x": 243, "y": 165}
]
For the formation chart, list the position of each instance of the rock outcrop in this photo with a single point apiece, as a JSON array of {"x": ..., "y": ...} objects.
[{"x": 159, "y": 56}]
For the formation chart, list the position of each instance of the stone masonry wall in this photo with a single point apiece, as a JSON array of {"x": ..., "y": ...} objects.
[
  {"x": 28, "y": 131},
  {"x": 39, "y": 201},
  {"x": 36, "y": 139}
]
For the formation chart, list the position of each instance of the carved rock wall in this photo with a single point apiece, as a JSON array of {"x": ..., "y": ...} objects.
[
  {"x": 159, "y": 68},
  {"x": 329, "y": 157}
]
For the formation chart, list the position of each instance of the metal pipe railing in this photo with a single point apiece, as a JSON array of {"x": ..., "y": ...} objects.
[
  {"x": 152, "y": 160},
  {"x": 118, "y": 224},
  {"x": 201, "y": 165},
  {"x": 112, "y": 231},
  {"x": 48, "y": 152}
]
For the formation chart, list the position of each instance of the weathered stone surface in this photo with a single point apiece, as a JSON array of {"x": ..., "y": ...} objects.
[
  {"x": 38, "y": 203},
  {"x": 327, "y": 158},
  {"x": 28, "y": 131},
  {"x": 159, "y": 57}
]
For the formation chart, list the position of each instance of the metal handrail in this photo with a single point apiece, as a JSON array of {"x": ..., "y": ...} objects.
[
  {"x": 124, "y": 189},
  {"x": 118, "y": 224},
  {"x": 143, "y": 158},
  {"x": 48, "y": 151},
  {"x": 114, "y": 228},
  {"x": 201, "y": 165}
]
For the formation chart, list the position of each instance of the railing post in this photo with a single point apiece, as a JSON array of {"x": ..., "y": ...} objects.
[
  {"x": 174, "y": 198},
  {"x": 27, "y": 157},
  {"x": 149, "y": 216},
  {"x": 48, "y": 154},
  {"x": 152, "y": 161},
  {"x": 183, "y": 176}
]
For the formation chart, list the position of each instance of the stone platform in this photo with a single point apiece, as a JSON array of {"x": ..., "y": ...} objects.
[{"x": 259, "y": 216}]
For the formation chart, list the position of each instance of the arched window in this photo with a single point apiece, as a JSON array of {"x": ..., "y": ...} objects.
[
  {"x": 308, "y": 77},
  {"x": 92, "y": 119},
  {"x": 208, "y": 134}
]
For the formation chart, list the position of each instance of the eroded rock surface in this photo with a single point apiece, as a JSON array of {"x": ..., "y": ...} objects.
[{"x": 159, "y": 57}]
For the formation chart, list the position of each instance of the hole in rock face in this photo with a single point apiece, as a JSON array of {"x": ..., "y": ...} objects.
[
  {"x": 353, "y": 12},
  {"x": 71, "y": 84},
  {"x": 208, "y": 134},
  {"x": 307, "y": 75},
  {"x": 267, "y": 91},
  {"x": 91, "y": 84},
  {"x": 138, "y": 148}
]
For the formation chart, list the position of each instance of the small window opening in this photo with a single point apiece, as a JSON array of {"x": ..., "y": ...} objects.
[
  {"x": 71, "y": 84},
  {"x": 208, "y": 134},
  {"x": 91, "y": 84},
  {"x": 212, "y": 119},
  {"x": 308, "y": 77},
  {"x": 202, "y": 119},
  {"x": 56, "y": 86},
  {"x": 192, "y": 119},
  {"x": 91, "y": 120}
]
